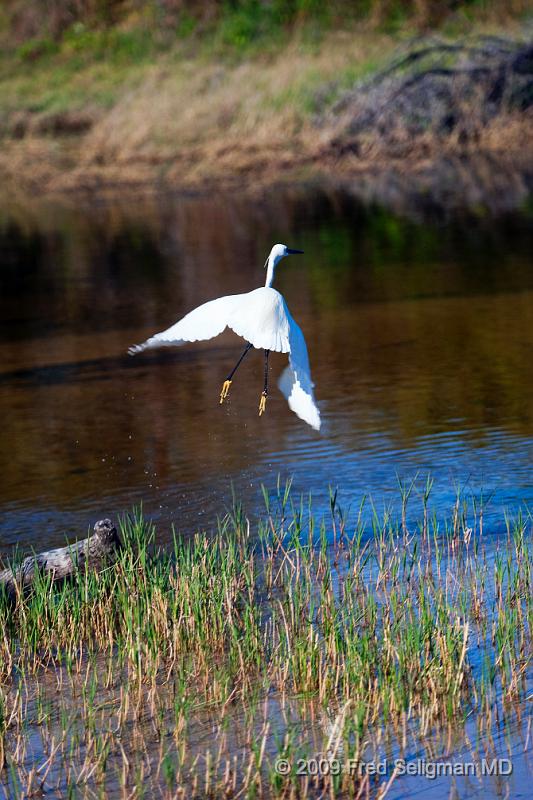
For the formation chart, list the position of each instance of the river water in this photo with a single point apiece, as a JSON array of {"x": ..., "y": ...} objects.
[{"x": 420, "y": 334}]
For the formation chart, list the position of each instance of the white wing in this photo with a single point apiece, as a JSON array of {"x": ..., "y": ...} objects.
[
  {"x": 204, "y": 322},
  {"x": 295, "y": 381}
]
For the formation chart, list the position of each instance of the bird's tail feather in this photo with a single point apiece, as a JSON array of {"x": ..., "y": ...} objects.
[{"x": 300, "y": 401}]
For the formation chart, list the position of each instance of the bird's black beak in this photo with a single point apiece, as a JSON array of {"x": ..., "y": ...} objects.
[{"x": 294, "y": 252}]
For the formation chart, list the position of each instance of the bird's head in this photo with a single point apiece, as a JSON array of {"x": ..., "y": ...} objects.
[{"x": 278, "y": 252}]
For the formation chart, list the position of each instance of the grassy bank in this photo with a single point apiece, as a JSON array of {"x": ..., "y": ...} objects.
[
  {"x": 191, "y": 673},
  {"x": 142, "y": 94}
]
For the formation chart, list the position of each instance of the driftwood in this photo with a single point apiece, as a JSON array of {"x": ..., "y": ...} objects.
[{"x": 63, "y": 562}]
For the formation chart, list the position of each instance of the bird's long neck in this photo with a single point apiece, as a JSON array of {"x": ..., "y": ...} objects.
[{"x": 270, "y": 272}]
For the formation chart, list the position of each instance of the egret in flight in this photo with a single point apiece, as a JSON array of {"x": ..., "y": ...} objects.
[{"x": 262, "y": 319}]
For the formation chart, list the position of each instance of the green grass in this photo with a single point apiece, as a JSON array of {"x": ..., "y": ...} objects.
[
  {"x": 233, "y": 24},
  {"x": 66, "y": 84},
  {"x": 94, "y": 53},
  {"x": 301, "y": 631}
]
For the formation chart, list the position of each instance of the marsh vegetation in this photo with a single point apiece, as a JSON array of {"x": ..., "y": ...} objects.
[{"x": 190, "y": 672}]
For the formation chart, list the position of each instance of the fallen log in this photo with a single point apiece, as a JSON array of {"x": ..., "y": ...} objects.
[{"x": 62, "y": 563}]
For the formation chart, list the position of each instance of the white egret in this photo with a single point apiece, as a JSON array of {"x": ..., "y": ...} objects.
[{"x": 263, "y": 320}]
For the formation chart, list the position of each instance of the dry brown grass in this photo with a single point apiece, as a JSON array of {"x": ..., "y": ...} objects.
[
  {"x": 191, "y": 103},
  {"x": 202, "y": 121},
  {"x": 496, "y": 173}
]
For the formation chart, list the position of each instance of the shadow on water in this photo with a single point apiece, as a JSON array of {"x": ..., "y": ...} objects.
[
  {"x": 420, "y": 339},
  {"x": 77, "y": 371}
]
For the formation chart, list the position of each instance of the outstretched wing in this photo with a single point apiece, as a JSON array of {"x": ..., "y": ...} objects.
[
  {"x": 204, "y": 322},
  {"x": 295, "y": 381}
]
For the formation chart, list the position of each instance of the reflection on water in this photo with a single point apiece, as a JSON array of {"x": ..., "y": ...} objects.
[{"x": 420, "y": 341}]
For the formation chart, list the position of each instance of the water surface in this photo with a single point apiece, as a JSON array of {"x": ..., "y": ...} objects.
[{"x": 420, "y": 339}]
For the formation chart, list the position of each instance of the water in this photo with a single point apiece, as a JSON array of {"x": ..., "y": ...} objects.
[{"x": 420, "y": 338}]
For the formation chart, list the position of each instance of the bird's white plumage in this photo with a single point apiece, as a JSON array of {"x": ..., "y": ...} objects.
[
  {"x": 295, "y": 381},
  {"x": 204, "y": 322},
  {"x": 262, "y": 318}
]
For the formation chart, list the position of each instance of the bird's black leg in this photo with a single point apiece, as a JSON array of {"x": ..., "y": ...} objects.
[
  {"x": 227, "y": 382},
  {"x": 263, "y": 400}
]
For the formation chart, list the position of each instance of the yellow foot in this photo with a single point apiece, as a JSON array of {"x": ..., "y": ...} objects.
[
  {"x": 225, "y": 390},
  {"x": 262, "y": 403}
]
